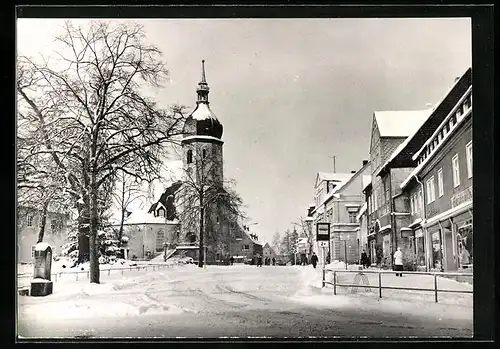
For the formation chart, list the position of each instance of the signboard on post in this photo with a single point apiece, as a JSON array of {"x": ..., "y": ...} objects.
[
  {"x": 323, "y": 243},
  {"x": 322, "y": 231}
]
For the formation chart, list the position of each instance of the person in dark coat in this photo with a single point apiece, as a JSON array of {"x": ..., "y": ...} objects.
[
  {"x": 231, "y": 260},
  {"x": 274, "y": 261},
  {"x": 365, "y": 262},
  {"x": 259, "y": 261},
  {"x": 314, "y": 260}
]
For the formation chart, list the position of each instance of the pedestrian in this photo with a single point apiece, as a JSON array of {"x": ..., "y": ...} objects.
[
  {"x": 231, "y": 260},
  {"x": 364, "y": 259},
  {"x": 314, "y": 260},
  {"x": 274, "y": 261},
  {"x": 398, "y": 262},
  {"x": 260, "y": 261},
  {"x": 464, "y": 257}
]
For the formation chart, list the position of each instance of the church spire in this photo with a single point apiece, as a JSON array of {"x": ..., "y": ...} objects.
[{"x": 203, "y": 88}]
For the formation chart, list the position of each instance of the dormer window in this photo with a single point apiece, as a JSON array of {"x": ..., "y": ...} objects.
[
  {"x": 161, "y": 212},
  {"x": 189, "y": 156}
]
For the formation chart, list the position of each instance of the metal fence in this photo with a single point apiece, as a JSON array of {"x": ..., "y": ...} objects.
[
  {"x": 380, "y": 287},
  {"x": 77, "y": 273}
]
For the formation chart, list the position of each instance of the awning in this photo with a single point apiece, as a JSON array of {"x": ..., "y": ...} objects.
[
  {"x": 415, "y": 223},
  {"x": 455, "y": 211},
  {"x": 384, "y": 228}
]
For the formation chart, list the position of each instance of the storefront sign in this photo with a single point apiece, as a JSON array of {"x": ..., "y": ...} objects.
[
  {"x": 322, "y": 231},
  {"x": 461, "y": 197}
]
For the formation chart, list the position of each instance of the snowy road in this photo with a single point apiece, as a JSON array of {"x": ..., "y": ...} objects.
[{"x": 239, "y": 301}]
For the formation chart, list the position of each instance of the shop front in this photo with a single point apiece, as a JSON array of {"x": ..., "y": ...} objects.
[
  {"x": 435, "y": 248},
  {"x": 464, "y": 241},
  {"x": 420, "y": 249}
]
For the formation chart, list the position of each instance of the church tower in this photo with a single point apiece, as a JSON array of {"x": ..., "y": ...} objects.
[
  {"x": 203, "y": 167},
  {"x": 202, "y": 144}
]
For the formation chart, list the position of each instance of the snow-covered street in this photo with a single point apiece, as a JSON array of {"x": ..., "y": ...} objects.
[{"x": 231, "y": 301}]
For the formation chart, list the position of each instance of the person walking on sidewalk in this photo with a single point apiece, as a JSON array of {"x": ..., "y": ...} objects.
[
  {"x": 398, "y": 262},
  {"x": 314, "y": 260}
]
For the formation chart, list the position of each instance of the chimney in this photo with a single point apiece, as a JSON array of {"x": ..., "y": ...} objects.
[
  {"x": 353, "y": 171},
  {"x": 457, "y": 78},
  {"x": 365, "y": 162}
]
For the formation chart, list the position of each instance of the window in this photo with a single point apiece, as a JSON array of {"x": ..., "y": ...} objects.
[
  {"x": 419, "y": 203},
  {"x": 204, "y": 153},
  {"x": 352, "y": 217},
  {"x": 245, "y": 247},
  {"x": 468, "y": 154},
  {"x": 189, "y": 156},
  {"x": 30, "y": 220},
  {"x": 456, "y": 171},
  {"x": 160, "y": 240},
  {"x": 440, "y": 182},
  {"x": 431, "y": 193},
  {"x": 53, "y": 225}
]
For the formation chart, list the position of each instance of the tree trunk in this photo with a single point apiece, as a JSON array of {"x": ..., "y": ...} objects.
[
  {"x": 120, "y": 231},
  {"x": 94, "y": 252},
  {"x": 201, "y": 251},
  {"x": 43, "y": 221},
  {"x": 83, "y": 234}
]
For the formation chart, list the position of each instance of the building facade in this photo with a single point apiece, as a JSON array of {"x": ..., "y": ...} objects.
[
  {"x": 28, "y": 228},
  {"x": 389, "y": 130},
  {"x": 342, "y": 208},
  {"x": 435, "y": 187},
  {"x": 445, "y": 172}
]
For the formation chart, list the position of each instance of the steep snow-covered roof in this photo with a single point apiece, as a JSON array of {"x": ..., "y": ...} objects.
[
  {"x": 143, "y": 217},
  {"x": 400, "y": 123}
]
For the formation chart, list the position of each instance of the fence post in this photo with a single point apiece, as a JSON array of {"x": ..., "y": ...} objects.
[
  {"x": 109, "y": 271},
  {"x": 335, "y": 283},
  {"x": 435, "y": 288},
  {"x": 122, "y": 271},
  {"x": 379, "y": 285},
  {"x": 77, "y": 276},
  {"x": 88, "y": 274},
  {"x": 323, "y": 281}
]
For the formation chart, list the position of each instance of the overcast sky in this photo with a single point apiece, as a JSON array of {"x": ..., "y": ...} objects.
[{"x": 291, "y": 93}]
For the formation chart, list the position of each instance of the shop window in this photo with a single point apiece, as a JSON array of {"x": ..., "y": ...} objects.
[
  {"x": 465, "y": 245},
  {"x": 437, "y": 255},
  {"x": 456, "y": 171},
  {"x": 189, "y": 156},
  {"x": 468, "y": 154},
  {"x": 420, "y": 249}
]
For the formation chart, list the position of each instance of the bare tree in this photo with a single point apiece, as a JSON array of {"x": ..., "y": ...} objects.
[
  {"x": 95, "y": 117},
  {"x": 276, "y": 242},
  {"x": 307, "y": 231},
  {"x": 129, "y": 190},
  {"x": 205, "y": 201}
]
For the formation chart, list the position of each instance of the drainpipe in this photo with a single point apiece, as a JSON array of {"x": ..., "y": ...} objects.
[
  {"x": 424, "y": 222},
  {"x": 443, "y": 249},
  {"x": 393, "y": 218}
]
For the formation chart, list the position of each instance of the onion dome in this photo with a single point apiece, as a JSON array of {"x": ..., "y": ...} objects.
[{"x": 207, "y": 123}]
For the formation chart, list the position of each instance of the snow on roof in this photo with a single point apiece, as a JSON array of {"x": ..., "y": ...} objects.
[
  {"x": 326, "y": 176},
  {"x": 385, "y": 227},
  {"x": 41, "y": 246},
  {"x": 417, "y": 169},
  {"x": 362, "y": 210},
  {"x": 203, "y": 112},
  {"x": 201, "y": 137},
  {"x": 143, "y": 217},
  {"x": 366, "y": 180},
  {"x": 400, "y": 123}
]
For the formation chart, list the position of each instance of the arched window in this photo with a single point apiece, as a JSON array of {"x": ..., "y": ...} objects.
[{"x": 189, "y": 156}]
